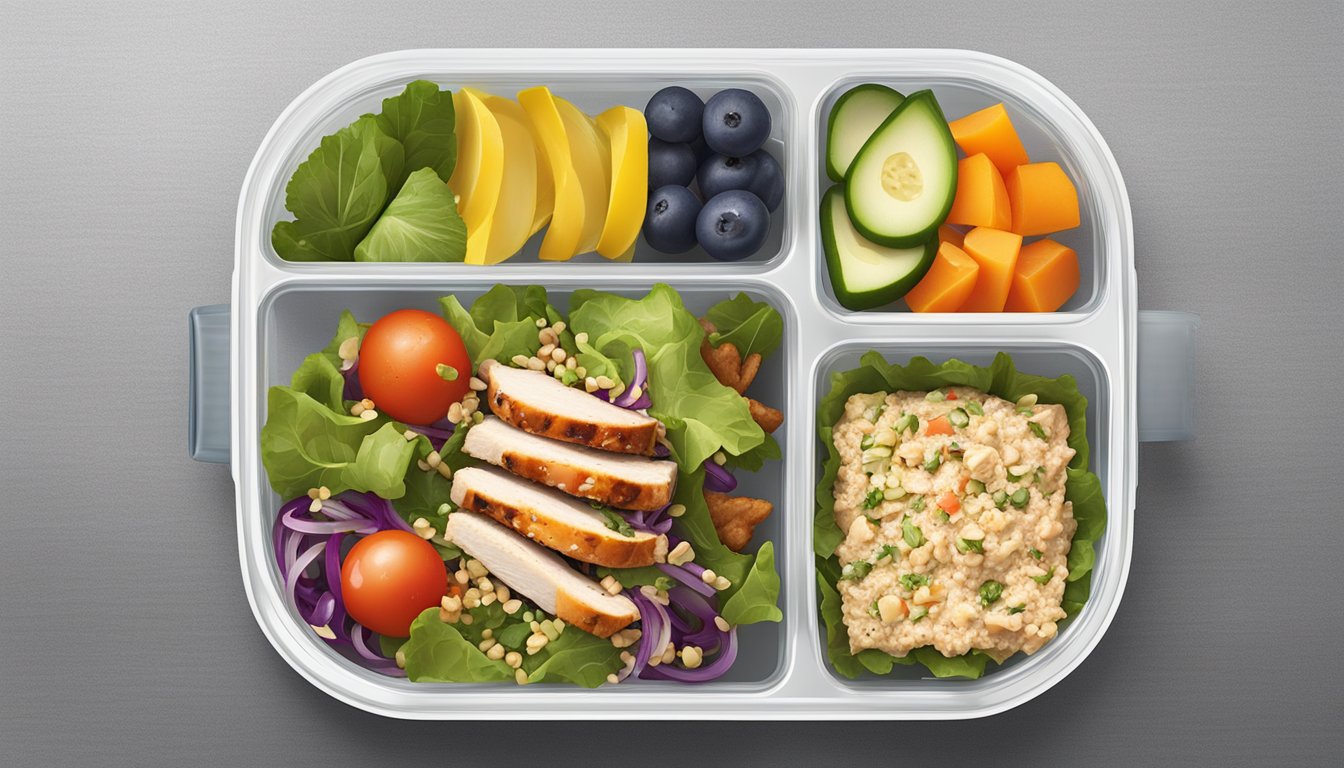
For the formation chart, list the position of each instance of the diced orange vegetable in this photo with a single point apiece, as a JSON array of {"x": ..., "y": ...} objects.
[
  {"x": 1042, "y": 198},
  {"x": 996, "y": 253},
  {"x": 982, "y": 199},
  {"x": 939, "y": 425},
  {"x": 950, "y": 234},
  {"x": 949, "y": 503},
  {"x": 991, "y": 132},
  {"x": 948, "y": 282},
  {"x": 962, "y": 483},
  {"x": 951, "y": 394},
  {"x": 1045, "y": 277}
]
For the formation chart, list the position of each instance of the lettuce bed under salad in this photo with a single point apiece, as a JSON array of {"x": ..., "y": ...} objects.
[
  {"x": 1001, "y": 379},
  {"x": 376, "y": 481}
]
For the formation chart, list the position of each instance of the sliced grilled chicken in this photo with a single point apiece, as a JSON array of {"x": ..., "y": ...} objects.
[
  {"x": 617, "y": 480},
  {"x": 541, "y": 575},
  {"x": 570, "y": 527},
  {"x": 535, "y": 402}
]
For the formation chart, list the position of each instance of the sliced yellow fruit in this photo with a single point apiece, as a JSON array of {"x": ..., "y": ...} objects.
[
  {"x": 549, "y": 129},
  {"x": 592, "y": 164},
  {"x": 479, "y": 172},
  {"x": 627, "y": 134},
  {"x": 511, "y": 224}
]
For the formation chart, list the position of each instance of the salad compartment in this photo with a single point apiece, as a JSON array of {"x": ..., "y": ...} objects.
[{"x": 282, "y": 311}]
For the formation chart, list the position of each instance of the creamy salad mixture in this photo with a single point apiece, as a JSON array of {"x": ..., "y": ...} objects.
[{"x": 957, "y": 529}]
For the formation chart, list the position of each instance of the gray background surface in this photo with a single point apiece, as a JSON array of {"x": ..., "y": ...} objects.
[{"x": 125, "y": 135}]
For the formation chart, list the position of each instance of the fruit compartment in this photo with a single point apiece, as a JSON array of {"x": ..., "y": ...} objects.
[
  {"x": 1045, "y": 139},
  {"x": 1077, "y": 633},
  {"x": 592, "y": 92},
  {"x": 299, "y": 318}
]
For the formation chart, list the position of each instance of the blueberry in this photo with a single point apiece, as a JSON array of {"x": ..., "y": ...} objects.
[
  {"x": 701, "y": 149},
  {"x": 732, "y": 225},
  {"x": 736, "y": 122},
  {"x": 758, "y": 173},
  {"x": 673, "y": 114},
  {"x": 670, "y": 223},
  {"x": 670, "y": 164}
]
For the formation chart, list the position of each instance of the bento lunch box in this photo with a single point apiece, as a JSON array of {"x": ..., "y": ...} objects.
[{"x": 1136, "y": 368}]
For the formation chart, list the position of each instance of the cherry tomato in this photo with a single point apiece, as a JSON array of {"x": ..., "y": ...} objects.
[
  {"x": 388, "y": 578},
  {"x": 398, "y": 366}
]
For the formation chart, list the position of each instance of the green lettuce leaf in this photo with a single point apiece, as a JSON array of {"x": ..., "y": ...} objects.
[
  {"x": 501, "y": 324},
  {"x": 701, "y": 415},
  {"x": 438, "y": 653},
  {"x": 421, "y": 119},
  {"x": 751, "y": 326},
  {"x": 338, "y": 192},
  {"x": 636, "y": 577},
  {"x": 427, "y": 491},
  {"x": 420, "y": 224},
  {"x": 1001, "y": 379},
  {"x": 758, "y": 597},
  {"x": 346, "y": 327},
  {"x": 320, "y": 380},
  {"x": 380, "y": 464},
  {"x": 574, "y": 657}
]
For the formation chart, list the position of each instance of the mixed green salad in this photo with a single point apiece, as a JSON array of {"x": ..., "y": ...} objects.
[
  {"x": 1003, "y": 380},
  {"x": 354, "y": 465}
]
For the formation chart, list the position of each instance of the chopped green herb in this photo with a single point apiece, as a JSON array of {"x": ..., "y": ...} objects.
[
  {"x": 1020, "y": 497},
  {"x": 1014, "y": 478},
  {"x": 855, "y": 570},
  {"x": 446, "y": 372},
  {"x": 918, "y": 613},
  {"x": 974, "y": 407},
  {"x": 1000, "y": 498},
  {"x": 873, "y": 498},
  {"x": 872, "y": 610},
  {"x": 1038, "y": 430},
  {"x": 887, "y": 550},
  {"x": 1038, "y": 475},
  {"x": 1020, "y": 607},
  {"x": 917, "y": 504},
  {"x": 934, "y": 462},
  {"x": 971, "y": 545},
  {"x": 913, "y": 581},
  {"x": 1036, "y": 553},
  {"x": 1025, "y": 411},
  {"x": 989, "y": 592},
  {"x": 959, "y": 417},
  {"x": 941, "y": 515},
  {"x": 664, "y": 583},
  {"x": 613, "y": 520},
  {"x": 912, "y": 534},
  {"x": 975, "y": 487},
  {"x": 866, "y": 442},
  {"x": 1045, "y": 577},
  {"x": 936, "y": 396},
  {"x": 876, "y": 522}
]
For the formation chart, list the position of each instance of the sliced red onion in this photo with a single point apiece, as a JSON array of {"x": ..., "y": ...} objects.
[
  {"x": 323, "y": 611},
  {"x": 687, "y": 578},
  {"x": 655, "y": 630},
  {"x": 322, "y": 528},
  {"x": 702, "y": 674},
  {"x": 301, "y": 563},
  {"x": 353, "y": 389},
  {"x": 640, "y": 382},
  {"x": 333, "y": 567},
  {"x": 718, "y": 479},
  {"x": 661, "y": 451}
]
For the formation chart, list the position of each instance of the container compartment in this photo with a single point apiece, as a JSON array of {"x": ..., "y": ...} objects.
[
  {"x": 1050, "y": 359},
  {"x": 591, "y": 91},
  {"x": 299, "y": 319},
  {"x": 1045, "y": 139}
]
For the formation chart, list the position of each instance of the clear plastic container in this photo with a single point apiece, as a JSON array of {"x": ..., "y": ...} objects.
[{"x": 282, "y": 310}]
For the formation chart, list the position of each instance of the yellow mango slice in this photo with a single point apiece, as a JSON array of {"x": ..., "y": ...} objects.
[
  {"x": 591, "y": 159},
  {"x": 511, "y": 224},
  {"x": 627, "y": 134},
  {"x": 549, "y": 130},
  {"x": 479, "y": 172}
]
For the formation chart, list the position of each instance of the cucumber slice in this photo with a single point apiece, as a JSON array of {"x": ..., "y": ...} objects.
[
  {"x": 901, "y": 184},
  {"x": 863, "y": 274},
  {"x": 856, "y": 114}
]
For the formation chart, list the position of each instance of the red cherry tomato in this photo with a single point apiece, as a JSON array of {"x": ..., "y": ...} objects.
[
  {"x": 398, "y": 366},
  {"x": 388, "y": 578}
]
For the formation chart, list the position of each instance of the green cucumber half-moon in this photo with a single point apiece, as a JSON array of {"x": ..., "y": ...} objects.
[
  {"x": 901, "y": 184},
  {"x": 856, "y": 114},
  {"x": 864, "y": 274}
]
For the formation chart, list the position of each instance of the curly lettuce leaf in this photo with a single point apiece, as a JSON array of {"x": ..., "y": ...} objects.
[
  {"x": 427, "y": 491},
  {"x": 305, "y": 444},
  {"x": 438, "y": 653},
  {"x": 754, "y": 327},
  {"x": 347, "y": 327},
  {"x": 420, "y": 224},
  {"x": 421, "y": 119},
  {"x": 500, "y": 324},
  {"x": 1002, "y": 379},
  {"x": 337, "y": 194},
  {"x": 574, "y": 657},
  {"x": 701, "y": 415},
  {"x": 319, "y": 379},
  {"x": 758, "y": 596}
]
